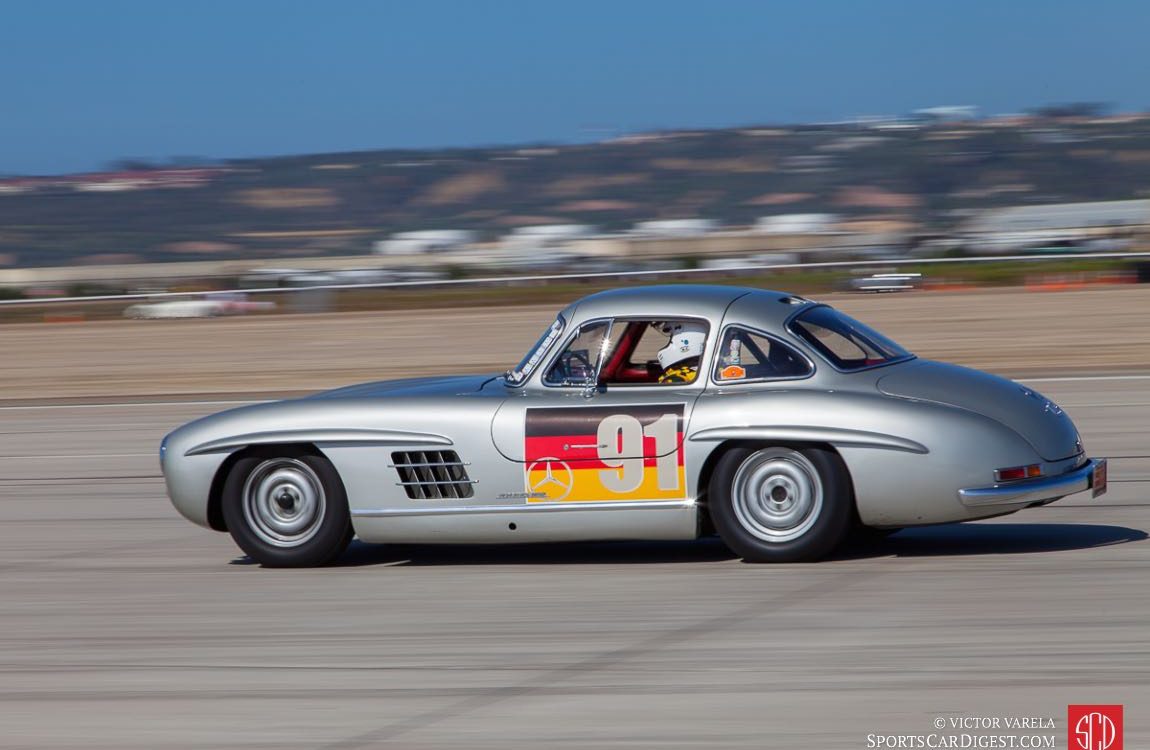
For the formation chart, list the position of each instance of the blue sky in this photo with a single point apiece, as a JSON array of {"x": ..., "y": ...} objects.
[{"x": 84, "y": 83}]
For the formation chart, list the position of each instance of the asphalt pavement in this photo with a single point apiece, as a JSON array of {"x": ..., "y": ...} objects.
[{"x": 124, "y": 626}]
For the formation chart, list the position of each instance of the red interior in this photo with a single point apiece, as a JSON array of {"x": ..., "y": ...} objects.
[{"x": 619, "y": 368}]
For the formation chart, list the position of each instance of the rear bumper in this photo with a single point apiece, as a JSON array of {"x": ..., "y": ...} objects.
[{"x": 1031, "y": 491}]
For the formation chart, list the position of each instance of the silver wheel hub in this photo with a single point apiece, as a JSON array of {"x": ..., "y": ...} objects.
[
  {"x": 777, "y": 495},
  {"x": 284, "y": 502}
]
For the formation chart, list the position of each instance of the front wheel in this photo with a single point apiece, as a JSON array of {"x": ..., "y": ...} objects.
[
  {"x": 287, "y": 508},
  {"x": 781, "y": 504}
]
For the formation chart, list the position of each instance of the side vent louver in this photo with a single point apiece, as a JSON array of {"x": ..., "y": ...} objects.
[{"x": 432, "y": 475}]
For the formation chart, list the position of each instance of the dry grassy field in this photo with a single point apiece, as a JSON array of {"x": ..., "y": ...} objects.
[{"x": 1013, "y": 332}]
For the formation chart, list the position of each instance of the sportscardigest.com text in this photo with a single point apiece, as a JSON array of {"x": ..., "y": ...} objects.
[
  {"x": 960, "y": 741},
  {"x": 973, "y": 732}
]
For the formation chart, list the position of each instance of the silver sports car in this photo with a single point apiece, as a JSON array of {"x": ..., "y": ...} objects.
[{"x": 665, "y": 412}]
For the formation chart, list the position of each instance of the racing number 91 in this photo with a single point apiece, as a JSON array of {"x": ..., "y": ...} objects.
[
  {"x": 620, "y": 441},
  {"x": 605, "y": 453}
]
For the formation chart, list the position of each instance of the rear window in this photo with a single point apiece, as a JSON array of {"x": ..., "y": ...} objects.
[{"x": 845, "y": 342}]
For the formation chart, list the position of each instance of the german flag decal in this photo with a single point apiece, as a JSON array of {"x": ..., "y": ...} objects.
[{"x": 608, "y": 453}]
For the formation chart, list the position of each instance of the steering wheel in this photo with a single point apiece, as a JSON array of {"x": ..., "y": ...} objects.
[{"x": 569, "y": 361}]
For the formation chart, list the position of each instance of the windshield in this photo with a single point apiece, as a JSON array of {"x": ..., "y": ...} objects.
[
  {"x": 531, "y": 360},
  {"x": 845, "y": 342}
]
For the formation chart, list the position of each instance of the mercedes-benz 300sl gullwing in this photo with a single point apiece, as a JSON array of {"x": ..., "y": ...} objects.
[{"x": 658, "y": 413}]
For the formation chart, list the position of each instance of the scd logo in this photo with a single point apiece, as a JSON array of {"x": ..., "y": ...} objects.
[{"x": 1094, "y": 727}]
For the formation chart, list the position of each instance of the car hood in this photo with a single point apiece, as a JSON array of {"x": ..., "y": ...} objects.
[
  {"x": 442, "y": 386},
  {"x": 1037, "y": 419}
]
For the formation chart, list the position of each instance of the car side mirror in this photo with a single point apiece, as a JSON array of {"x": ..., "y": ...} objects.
[{"x": 591, "y": 387}]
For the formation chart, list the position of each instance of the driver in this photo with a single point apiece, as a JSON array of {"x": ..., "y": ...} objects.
[{"x": 680, "y": 357}]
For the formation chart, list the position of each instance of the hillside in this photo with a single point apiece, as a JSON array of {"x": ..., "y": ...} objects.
[{"x": 341, "y": 203}]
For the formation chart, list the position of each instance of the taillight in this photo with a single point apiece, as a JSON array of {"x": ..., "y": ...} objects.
[{"x": 1018, "y": 472}]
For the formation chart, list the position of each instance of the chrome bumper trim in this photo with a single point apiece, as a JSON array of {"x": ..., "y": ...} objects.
[{"x": 1031, "y": 490}]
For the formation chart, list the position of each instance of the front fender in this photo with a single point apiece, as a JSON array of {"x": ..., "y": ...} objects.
[{"x": 192, "y": 455}]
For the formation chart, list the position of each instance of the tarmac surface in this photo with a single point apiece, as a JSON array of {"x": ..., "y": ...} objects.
[{"x": 124, "y": 626}]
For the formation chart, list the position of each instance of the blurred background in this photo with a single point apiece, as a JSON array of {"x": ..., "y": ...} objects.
[{"x": 219, "y": 152}]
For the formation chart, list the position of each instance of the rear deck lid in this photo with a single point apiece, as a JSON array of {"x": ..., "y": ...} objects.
[{"x": 1037, "y": 419}]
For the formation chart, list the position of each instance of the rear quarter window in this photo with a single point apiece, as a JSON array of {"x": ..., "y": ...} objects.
[{"x": 749, "y": 355}]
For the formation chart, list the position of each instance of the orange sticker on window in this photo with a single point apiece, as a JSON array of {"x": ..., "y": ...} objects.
[{"x": 732, "y": 372}]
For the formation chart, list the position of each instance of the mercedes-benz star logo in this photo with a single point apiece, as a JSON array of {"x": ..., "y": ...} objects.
[{"x": 558, "y": 478}]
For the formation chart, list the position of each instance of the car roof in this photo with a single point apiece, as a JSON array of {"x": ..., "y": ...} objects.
[{"x": 669, "y": 300}]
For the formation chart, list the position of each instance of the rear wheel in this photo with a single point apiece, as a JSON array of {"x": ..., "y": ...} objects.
[
  {"x": 287, "y": 508},
  {"x": 781, "y": 504}
]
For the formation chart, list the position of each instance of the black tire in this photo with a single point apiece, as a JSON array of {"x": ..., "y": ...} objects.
[
  {"x": 270, "y": 492},
  {"x": 806, "y": 516}
]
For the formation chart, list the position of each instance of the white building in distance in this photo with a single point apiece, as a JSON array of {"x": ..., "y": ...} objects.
[
  {"x": 546, "y": 236},
  {"x": 425, "y": 241},
  {"x": 1005, "y": 229},
  {"x": 796, "y": 224},
  {"x": 674, "y": 228},
  {"x": 948, "y": 113}
]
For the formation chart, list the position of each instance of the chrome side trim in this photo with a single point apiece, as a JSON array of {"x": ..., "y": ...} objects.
[
  {"x": 832, "y": 435},
  {"x": 1026, "y": 491},
  {"x": 532, "y": 507},
  {"x": 358, "y": 435}
]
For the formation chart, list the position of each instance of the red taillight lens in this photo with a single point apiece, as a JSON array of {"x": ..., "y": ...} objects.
[{"x": 1018, "y": 472}]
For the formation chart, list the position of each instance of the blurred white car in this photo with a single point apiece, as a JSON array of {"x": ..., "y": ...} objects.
[
  {"x": 886, "y": 282},
  {"x": 196, "y": 308}
]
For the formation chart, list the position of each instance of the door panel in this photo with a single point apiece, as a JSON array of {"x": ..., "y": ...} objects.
[
  {"x": 604, "y": 453},
  {"x": 599, "y": 451},
  {"x": 593, "y": 432}
]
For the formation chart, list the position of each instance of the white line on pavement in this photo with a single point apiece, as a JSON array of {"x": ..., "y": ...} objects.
[
  {"x": 128, "y": 404},
  {"x": 1082, "y": 378},
  {"x": 81, "y": 455}
]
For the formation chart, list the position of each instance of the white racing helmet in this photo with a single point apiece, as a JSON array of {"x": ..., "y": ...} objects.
[{"x": 686, "y": 341}]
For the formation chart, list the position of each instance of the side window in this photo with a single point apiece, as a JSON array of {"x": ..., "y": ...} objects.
[
  {"x": 655, "y": 352},
  {"x": 746, "y": 355},
  {"x": 632, "y": 352},
  {"x": 651, "y": 340},
  {"x": 576, "y": 364}
]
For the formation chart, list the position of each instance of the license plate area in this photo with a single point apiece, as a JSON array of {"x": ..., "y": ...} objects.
[{"x": 1098, "y": 479}]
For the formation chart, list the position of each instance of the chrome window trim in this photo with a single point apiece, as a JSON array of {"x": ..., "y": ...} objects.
[{"x": 773, "y": 337}]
